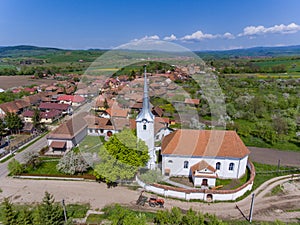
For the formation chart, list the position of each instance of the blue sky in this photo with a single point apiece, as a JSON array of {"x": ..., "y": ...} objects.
[{"x": 195, "y": 24}]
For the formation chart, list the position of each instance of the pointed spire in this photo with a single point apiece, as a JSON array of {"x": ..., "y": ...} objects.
[{"x": 146, "y": 111}]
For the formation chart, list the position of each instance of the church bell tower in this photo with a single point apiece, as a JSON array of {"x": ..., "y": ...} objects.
[{"x": 145, "y": 125}]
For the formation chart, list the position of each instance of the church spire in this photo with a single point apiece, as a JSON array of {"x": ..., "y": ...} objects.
[{"x": 145, "y": 113}]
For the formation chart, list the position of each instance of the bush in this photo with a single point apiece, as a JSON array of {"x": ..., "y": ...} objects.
[
  {"x": 15, "y": 167},
  {"x": 152, "y": 176}
]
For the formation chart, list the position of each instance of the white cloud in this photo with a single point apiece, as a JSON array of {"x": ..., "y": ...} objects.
[
  {"x": 170, "y": 38},
  {"x": 147, "y": 38},
  {"x": 280, "y": 29},
  {"x": 198, "y": 36},
  {"x": 228, "y": 35}
]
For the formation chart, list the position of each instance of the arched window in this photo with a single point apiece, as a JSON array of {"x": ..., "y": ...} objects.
[
  {"x": 144, "y": 127},
  {"x": 218, "y": 166},
  {"x": 186, "y": 164},
  {"x": 231, "y": 166},
  {"x": 170, "y": 161}
]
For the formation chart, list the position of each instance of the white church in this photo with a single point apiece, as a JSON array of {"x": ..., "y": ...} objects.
[{"x": 202, "y": 155}]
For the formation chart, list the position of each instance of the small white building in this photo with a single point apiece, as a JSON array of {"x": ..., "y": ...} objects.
[{"x": 204, "y": 155}]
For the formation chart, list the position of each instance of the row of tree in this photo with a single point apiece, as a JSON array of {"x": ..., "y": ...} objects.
[{"x": 47, "y": 213}]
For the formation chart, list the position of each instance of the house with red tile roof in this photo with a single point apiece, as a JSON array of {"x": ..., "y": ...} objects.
[
  {"x": 63, "y": 108},
  {"x": 98, "y": 126},
  {"x": 68, "y": 134},
  {"x": 17, "y": 106},
  {"x": 45, "y": 117},
  {"x": 204, "y": 155},
  {"x": 74, "y": 100}
]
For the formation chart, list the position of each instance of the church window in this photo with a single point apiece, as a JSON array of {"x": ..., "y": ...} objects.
[
  {"x": 231, "y": 166},
  {"x": 218, "y": 166},
  {"x": 144, "y": 127},
  {"x": 186, "y": 164}
]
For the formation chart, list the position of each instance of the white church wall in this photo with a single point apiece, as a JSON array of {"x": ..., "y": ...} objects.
[{"x": 176, "y": 165}]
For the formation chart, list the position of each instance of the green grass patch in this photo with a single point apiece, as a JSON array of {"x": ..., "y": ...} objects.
[
  {"x": 46, "y": 167},
  {"x": 276, "y": 190},
  {"x": 231, "y": 184},
  {"x": 77, "y": 210},
  {"x": 91, "y": 144},
  {"x": 95, "y": 218}
]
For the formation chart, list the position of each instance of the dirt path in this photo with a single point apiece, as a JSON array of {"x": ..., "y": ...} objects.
[{"x": 98, "y": 195}]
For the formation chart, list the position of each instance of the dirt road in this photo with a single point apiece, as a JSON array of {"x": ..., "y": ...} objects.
[{"x": 98, "y": 195}]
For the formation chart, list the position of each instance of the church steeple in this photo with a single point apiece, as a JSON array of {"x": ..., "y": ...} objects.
[
  {"x": 145, "y": 125},
  {"x": 145, "y": 113}
]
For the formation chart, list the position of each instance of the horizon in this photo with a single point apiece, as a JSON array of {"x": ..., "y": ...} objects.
[
  {"x": 107, "y": 49},
  {"x": 198, "y": 26}
]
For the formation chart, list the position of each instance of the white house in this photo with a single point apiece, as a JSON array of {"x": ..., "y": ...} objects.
[
  {"x": 204, "y": 155},
  {"x": 68, "y": 134}
]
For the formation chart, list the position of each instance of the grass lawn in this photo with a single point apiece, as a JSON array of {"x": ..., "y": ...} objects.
[
  {"x": 91, "y": 144},
  {"x": 262, "y": 177},
  {"x": 46, "y": 167}
]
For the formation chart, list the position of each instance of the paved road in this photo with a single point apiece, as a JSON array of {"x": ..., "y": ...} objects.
[
  {"x": 35, "y": 147},
  {"x": 271, "y": 156}
]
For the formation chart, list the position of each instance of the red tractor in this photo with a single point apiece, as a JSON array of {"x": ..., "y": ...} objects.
[{"x": 153, "y": 201}]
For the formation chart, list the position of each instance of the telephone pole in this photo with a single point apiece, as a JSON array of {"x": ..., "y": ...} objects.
[{"x": 251, "y": 208}]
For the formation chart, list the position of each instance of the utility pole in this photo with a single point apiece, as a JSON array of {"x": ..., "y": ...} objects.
[
  {"x": 278, "y": 166},
  {"x": 251, "y": 208},
  {"x": 64, "y": 208}
]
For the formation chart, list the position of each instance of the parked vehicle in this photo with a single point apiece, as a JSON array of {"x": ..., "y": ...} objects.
[{"x": 153, "y": 201}]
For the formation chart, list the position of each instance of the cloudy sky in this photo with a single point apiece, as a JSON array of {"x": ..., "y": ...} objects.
[{"x": 195, "y": 24}]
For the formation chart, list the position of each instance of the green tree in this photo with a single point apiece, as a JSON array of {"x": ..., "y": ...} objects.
[
  {"x": 13, "y": 122},
  {"x": 193, "y": 218},
  {"x": 25, "y": 217},
  {"x": 49, "y": 212},
  {"x": 119, "y": 215},
  {"x": 36, "y": 118},
  {"x": 2, "y": 127},
  {"x": 121, "y": 156},
  {"x": 15, "y": 167},
  {"x": 32, "y": 159},
  {"x": 9, "y": 214},
  {"x": 72, "y": 163}
]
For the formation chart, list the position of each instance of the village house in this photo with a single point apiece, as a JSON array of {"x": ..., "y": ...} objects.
[
  {"x": 74, "y": 100},
  {"x": 45, "y": 117},
  {"x": 17, "y": 106},
  {"x": 68, "y": 134},
  {"x": 63, "y": 108}
]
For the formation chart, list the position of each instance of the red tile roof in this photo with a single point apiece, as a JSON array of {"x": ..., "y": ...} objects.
[
  {"x": 117, "y": 112},
  {"x": 204, "y": 143},
  {"x": 51, "y": 114},
  {"x": 71, "y": 98},
  {"x": 69, "y": 129},
  {"x": 192, "y": 101},
  {"x": 57, "y": 106},
  {"x": 98, "y": 123},
  {"x": 201, "y": 166},
  {"x": 58, "y": 144}
]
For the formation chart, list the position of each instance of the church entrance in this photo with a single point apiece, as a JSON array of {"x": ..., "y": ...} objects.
[{"x": 204, "y": 182}]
